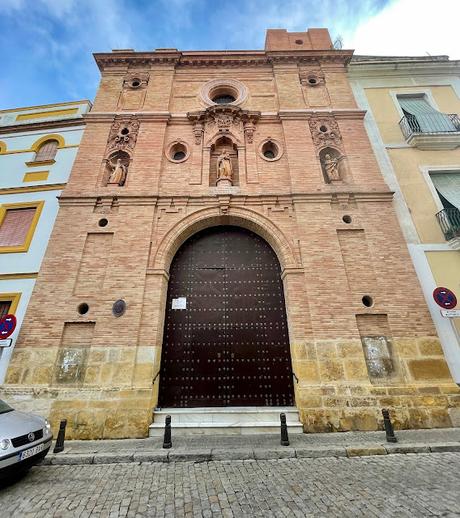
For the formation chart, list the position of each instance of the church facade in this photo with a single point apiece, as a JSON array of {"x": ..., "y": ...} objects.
[{"x": 226, "y": 240}]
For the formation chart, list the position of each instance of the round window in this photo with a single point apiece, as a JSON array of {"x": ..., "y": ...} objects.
[
  {"x": 179, "y": 155},
  {"x": 124, "y": 131},
  {"x": 223, "y": 91},
  {"x": 270, "y": 150},
  {"x": 177, "y": 152},
  {"x": 135, "y": 83},
  {"x": 83, "y": 308},
  {"x": 312, "y": 80},
  {"x": 223, "y": 99},
  {"x": 367, "y": 301}
]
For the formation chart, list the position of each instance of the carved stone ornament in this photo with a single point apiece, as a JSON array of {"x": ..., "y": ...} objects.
[
  {"x": 325, "y": 132},
  {"x": 123, "y": 134},
  {"x": 136, "y": 81},
  {"x": 223, "y": 119},
  {"x": 312, "y": 78}
]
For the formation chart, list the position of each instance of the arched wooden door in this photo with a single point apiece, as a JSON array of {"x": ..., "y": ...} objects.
[{"x": 225, "y": 336}]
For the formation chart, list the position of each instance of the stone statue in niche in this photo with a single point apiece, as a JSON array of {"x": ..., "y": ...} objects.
[
  {"x": 118, "y": 169},
  {"x": 332, "y": 164},
  {"x": 224, "y": 167},
  {"x": 331, "y": 167}
]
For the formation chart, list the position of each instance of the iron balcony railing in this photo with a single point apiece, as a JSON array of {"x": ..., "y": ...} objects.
[
  {"x": 430, "y": 124},
  {"x": 449, "y": 221}
]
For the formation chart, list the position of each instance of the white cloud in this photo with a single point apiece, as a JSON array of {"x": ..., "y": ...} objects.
[{"x": 411, "y": 28}]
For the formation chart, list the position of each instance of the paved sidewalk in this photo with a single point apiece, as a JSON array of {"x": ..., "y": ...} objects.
[{"x": 260, "y": 447}]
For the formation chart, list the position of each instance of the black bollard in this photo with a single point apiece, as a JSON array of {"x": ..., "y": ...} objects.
[
  {"x": 167, "y": 437},
  {"x": 284, "y": 431},
  {"x": 389, "y": 432},
  {"x": 59, "y": 446}
]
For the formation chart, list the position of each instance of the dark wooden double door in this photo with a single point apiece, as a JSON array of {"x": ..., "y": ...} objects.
[{"x": 225, "y": 335}]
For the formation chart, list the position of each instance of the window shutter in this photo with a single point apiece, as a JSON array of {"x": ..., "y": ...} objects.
[
  {"x": 4, "y": 307},
  {"x": 47, "y": 151},
  {"x": 15, "y": 226},
  {"x": 448, "y": 184},
  {"x": 429, "y": 120}
]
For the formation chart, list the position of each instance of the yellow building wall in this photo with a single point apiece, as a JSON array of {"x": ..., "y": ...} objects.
[
  {"x": 408, "y": 161},
  {"x": 386, "y": 113},
  {"x": 446, "y": 272}
]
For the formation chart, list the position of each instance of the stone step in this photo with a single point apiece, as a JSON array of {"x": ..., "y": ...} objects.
[{"x": 225, "y": 421}]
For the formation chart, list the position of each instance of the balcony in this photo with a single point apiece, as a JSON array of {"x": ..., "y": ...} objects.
[
  {"x": 437, "y": 131},
  {"x": 449, "y": 221}
]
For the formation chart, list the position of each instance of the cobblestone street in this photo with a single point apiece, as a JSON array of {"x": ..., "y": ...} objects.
[{"x": 393, "y": 485}]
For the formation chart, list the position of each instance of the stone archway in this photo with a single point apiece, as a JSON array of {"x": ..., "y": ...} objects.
[{"x": 225, "y": 335}]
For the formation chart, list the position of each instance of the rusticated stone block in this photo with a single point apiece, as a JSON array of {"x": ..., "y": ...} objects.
[
  {"x": 331, "y": 370},
  {"x": 405, "y": 347},
  {"x": 430, "y": 347},
  {"x": 355, "y": 369},
  {"x": 306, "y": 371},
  {"x": 429, "y": 369}
]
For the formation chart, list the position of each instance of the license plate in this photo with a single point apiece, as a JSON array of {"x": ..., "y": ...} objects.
[{"x": 31, "y": 452}]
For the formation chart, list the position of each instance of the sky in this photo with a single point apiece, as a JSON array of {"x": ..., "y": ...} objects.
[{"x": 47, "y": 45}]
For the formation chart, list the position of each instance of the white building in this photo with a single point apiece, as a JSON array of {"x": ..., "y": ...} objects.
[{"x": 38, "y": 146}]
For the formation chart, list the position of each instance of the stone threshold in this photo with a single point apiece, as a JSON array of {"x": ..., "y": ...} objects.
[{"x": 225, "y": 454}]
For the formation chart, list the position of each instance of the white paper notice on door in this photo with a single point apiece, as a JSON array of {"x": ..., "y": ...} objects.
[{"x": 179, "y": 303}]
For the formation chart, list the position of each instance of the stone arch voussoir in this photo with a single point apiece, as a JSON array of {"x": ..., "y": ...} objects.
[{"x": 211, "y": 217}]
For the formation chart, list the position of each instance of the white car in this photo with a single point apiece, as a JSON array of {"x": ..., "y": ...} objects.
[{"x": 25, "y": 439}]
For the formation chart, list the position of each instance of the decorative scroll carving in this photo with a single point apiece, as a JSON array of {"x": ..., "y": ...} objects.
[
  {"x": 123, "y": 135},
  {"x": 136, "y": 80},
  {"x": 198, "y": 130},
  {"x": 249, "y": 129},
  {"x": 325, "y": 132},
  {"x": 222, "y": 120}
]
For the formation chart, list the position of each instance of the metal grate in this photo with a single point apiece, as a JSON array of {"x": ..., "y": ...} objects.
[{"x": 449, "y": 221}]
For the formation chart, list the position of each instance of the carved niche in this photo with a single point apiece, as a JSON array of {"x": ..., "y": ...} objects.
[
  {"x": 120, "y": 146},
  {"x": 328, "y": 142},
  {"x": 133, "y": 91},
  {"x": 221, "y": 129}
]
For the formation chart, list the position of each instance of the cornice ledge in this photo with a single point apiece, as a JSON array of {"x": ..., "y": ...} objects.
[
  {"x": 127, "y": 58},
  {"x": 339, "y": 113},
  {"x": 310, "y": 56},
  {"x": 145, "y": 116},
  {"x": 122, "y": 199},
  {"x": 42, "y": 125},
  {"x": 315, "y": 197},
  {"x": 394, "y": 68}
]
